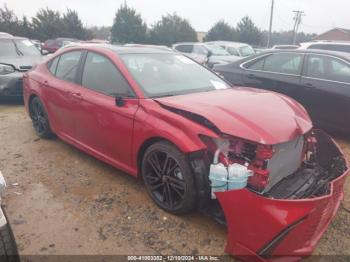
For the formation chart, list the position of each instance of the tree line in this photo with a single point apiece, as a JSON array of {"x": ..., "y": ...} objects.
[
  {"x": 46, "y": 24},
  {"x": 129, "y": 27}
]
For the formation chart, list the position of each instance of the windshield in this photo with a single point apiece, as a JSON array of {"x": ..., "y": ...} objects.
[
  {"x": 246, "y": 50},
  {"x": 170, "y": 74},
  {"x": 17, "y": 47},
  {"x": 217, "y": 50},
  {"x": 26, "y": 47}
]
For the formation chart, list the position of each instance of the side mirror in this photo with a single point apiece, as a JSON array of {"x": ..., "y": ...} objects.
[
  {"x": 209, "y": 54},
  {"x": 119, "y": 101}
]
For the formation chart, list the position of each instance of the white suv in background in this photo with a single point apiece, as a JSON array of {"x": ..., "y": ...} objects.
[{"x": 327, "y": 45}]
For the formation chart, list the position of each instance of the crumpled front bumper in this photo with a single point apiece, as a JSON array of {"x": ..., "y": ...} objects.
[{"x": 263, "y": 229}]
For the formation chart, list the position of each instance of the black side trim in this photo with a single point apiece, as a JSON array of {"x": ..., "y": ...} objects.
[{"x": 267, "y": 250}]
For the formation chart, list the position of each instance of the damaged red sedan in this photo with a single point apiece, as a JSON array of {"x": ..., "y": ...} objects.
[{"x": 247, "y": 157}]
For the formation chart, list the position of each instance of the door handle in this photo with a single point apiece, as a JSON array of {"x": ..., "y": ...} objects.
[
  {"x": 309, "y": 85},
  {"x": 77, "y": 95},
  {"x": 251, "y": 76}
]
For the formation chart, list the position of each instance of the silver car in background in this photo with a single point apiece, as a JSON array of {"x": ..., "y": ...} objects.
[
  {"x": 235, "y": 48},
  {"x": 17, "y": 55},
  {"x": 205, "y": 54}
]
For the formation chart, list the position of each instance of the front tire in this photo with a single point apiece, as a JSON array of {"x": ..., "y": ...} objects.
[
  {"x": 168, "y": 178},
  {"x": 39, "y": 118}
]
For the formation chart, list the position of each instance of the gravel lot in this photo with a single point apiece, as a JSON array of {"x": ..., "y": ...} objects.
[{"x": 67, "y": 202}]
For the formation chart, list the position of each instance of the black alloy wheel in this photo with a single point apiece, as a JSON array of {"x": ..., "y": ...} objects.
[
  {"x": 39, "y": 118},
  {"x": 168, "y": 178}
]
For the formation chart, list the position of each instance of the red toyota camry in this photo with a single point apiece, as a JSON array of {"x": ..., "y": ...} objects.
[{"x": 248, "y": 157}]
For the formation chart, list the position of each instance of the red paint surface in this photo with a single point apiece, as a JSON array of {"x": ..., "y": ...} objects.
[{"x": 92, "y": 122}]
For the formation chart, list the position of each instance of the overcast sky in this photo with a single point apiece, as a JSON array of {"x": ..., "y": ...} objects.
[{"x": 321, "y": 15}]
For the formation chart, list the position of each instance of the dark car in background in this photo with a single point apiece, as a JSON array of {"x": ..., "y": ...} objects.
[
  {"x": 52, "y": 45},
  {"x": 17, "y": 55},
  {"x": 318, "y": 79}
]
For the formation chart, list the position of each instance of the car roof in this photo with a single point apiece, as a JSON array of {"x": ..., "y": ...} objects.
[
  {"x": 126, "y": 49},
  {"x": 227, "y": 43},
  {"x": 189, "y": 43},
  {"x": 343, "y": 55},
  {"x": 13, "y": 38},
  {"x": 306, "y": 44}
]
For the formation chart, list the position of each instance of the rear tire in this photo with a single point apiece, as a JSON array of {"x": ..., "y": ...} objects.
[
  {"x": 168, "y": 178},
  {"x": 39, "y": 118}
]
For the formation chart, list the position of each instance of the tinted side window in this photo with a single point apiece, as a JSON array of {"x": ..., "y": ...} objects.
[
  {"x": 257, "y": 65},
  {"x": 68, "y": 65},
  {"x": 328, "y": 68},
  {"x": 102, "y": 76},
  {"x": 53, "y": 65},
  {"x": 184, "y": 48},
  {"x": 232, "y": 51},
  {"x": 286, "y": 63},
  {"x": 339, "y": 71},
  {"x": 315, "y": 66}
]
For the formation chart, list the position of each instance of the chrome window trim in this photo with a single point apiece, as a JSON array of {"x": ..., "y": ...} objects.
[
  {"x": 322, "y": 79},
  {"x": 271, "y": 72}
]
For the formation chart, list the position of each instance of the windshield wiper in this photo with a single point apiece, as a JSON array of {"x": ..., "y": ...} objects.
[{"x": 17, "y": 49}]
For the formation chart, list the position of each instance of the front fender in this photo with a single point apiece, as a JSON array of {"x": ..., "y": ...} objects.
[{"x": 152, "y": 121}]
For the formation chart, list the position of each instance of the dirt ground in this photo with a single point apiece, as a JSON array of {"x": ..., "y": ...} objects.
[{"x": 62, "y": 201}]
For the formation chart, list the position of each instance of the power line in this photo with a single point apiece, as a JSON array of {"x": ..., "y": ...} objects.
[{"x": 297, "y": 20}]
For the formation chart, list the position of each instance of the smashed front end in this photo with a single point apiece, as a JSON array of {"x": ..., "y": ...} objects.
[{"x": 292, "y": 192}]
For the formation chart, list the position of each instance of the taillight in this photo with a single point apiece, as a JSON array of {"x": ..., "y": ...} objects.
[{"x": 260, "y": 179}]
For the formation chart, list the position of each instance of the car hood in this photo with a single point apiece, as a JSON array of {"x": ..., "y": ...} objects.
[
  {"x": 256, "y": 115},
  {"x": 21, "y": 62}
]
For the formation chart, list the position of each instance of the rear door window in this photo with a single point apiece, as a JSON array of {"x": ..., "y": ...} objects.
[
  {"x": 284, "y": 63},
  {"x": 68, "y": 66},
  {"x": 327, "y": 68},
  {"x": 101, "y": 75},
  {"x": 233, "y": 51}
]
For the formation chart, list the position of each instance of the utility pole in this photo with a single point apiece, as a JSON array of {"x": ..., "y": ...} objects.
[
  {"x": 297, "y": 21},
  {"x": 270, "y": 28}
]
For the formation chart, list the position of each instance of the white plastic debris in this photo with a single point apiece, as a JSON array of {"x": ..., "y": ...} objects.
[{"x": 15, "y": 184}]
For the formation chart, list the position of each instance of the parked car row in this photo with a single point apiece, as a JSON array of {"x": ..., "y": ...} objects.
[
  {"x": 248, "y": 157},
  {"x": 214, "y": 53},
  {"x": 318, "y": 79}
]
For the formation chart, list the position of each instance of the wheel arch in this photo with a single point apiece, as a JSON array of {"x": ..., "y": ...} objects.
[{"x": 145, "y": 145}]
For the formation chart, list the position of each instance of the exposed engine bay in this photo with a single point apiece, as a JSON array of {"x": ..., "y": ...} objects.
[{"x": 301, "y": 168}]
